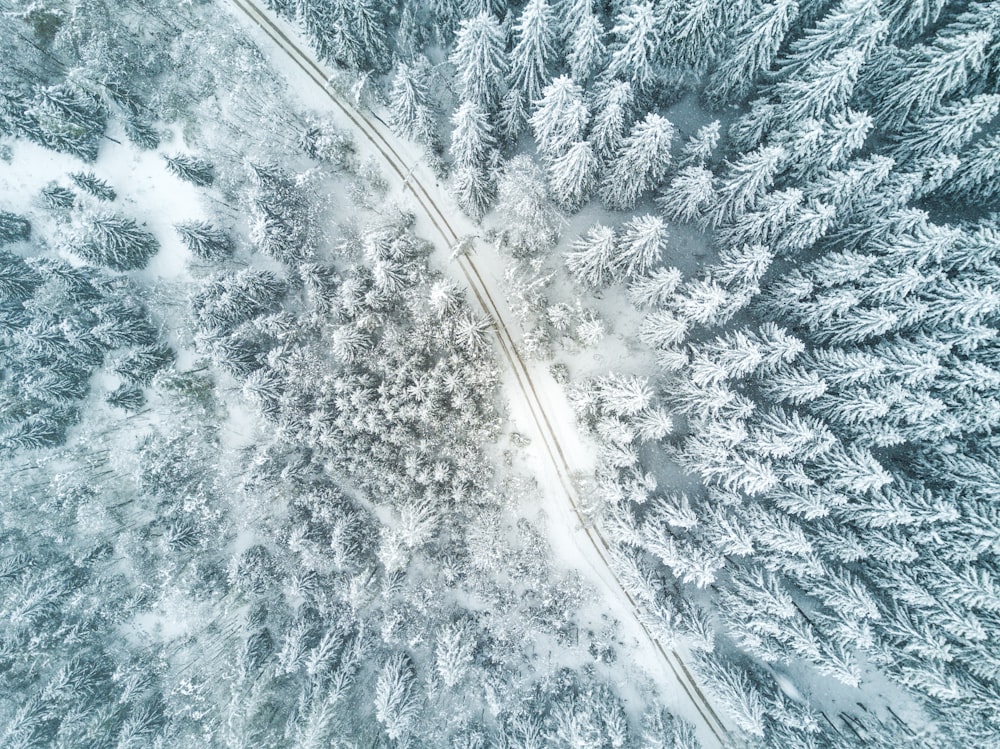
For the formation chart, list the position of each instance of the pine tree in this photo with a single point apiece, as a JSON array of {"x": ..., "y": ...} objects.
[
  {"x": 560, "y": 118},
  {"x": 641, "y": 245},
  {"x": 851, "y": 24},
  {"x": 918, "y": 81},
  {"x": 699, "y": 147},
  {"x": 115, "y": 242},
  {"x": 204, "y": 240},
  {"x": 753, "y": 50},
  {"x": 655, "y": 289},
  {"x": 823, "y": 88},
  {"x": 587, "y": 54},
  {"x": 534, "y": 51},
  {"x": 90, "y": 182},
  {"x": 696, "y": 31},
  {"x": 480, "y": 62},
  {"x": 641, "y": 164},
  {"x": 910, "y": 17},
  {"x": 474, "y": 189},
  {"x": 745, "y": 182},
  {"x": 573, "y": 175},
  {"x": 946, "y": 130},
  {"x": 191, "y": 169},
  {"x": 689, "y": 194},
  {"x": 453, "y": 653},
  {"x": 409, "y": 100},
  {"x": 612, "y": 109},
  {"x": 637, "y": 40},
  {"x": 471, "y": 138},
  {"x": 978, "y": 174},
  {"x": 395, "y": 696},
  {"x": 13, "y": 228},
  {"x": 590, "y": 259},
  {"x": 56, "y": 196}
]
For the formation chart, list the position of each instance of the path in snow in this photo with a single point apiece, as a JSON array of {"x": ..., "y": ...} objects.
[{"x": 539, "y": 408}]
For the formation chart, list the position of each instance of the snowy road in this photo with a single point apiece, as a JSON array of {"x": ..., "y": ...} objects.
[{"x": 538, "y": 406}]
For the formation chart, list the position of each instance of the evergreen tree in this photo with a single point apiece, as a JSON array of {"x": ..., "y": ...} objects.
[
  {"x": 592, "y": 255},
  {"x": 472, "y": 139},
  {"x": 115, "y": 242},
  {"x": 918, "y": 80},
  {"x": 587, "y": 53},
  {"x": 851, "y": 24},
  {"x": 560, "y": 118},
  {"x": 56, "y": 196},
  {"x": 641, "y": 164},
  {"x": 636, "y": 41},
  {"x": 612, "y": 110},
  {"x": 191, "y": 169},
  {"x": 745, "y": 182},
  {"x": 753, "y": 51},
  {"x": 90, "y": 182},
  {"x": 480, "y": 62},
  {"x": 13, "y": 228},
  {"x": 823, "y": 88},
  {"x": 204, "y": 240},
  {"x": 533, "y": 53},
  {"x": 947, "y": 130},
  {"x": 409, "y": 100},
  {"x": 641, "y": 244},
  {"x": 573, "y": 175},
  {"x": 700, "y": 147},
  {"x": 689, "y": 194}
]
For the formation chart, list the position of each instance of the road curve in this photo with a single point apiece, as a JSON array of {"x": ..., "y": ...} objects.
[{"x": 382, "y": 140}]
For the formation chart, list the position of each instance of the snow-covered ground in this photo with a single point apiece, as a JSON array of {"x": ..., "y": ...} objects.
[{"x": 538, "y": 407}]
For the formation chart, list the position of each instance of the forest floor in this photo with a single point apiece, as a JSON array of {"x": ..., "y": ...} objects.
[{"x": 557, "y": 455}]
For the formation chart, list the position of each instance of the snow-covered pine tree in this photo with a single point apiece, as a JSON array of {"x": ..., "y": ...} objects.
[
  {"x": 946, "y": 130},
  {"x": 641, "y": 164},
  {"x": 480, "y": 61},
  {"x": 823, "y": 88},
  {"x": 634, "y": 49},
  {"x": 850, "y": 24},
  {"x": 752, "y": 51},
  {"x": 396, "y": 699},
  {"x": 191, "y": 168},
  {"x": 409, "y": 100},
  {"x": 587, "y": 53},
  {"x": 91, "y": 183},
  {"x": 13, "y": 228},
  {"x": 204, "y": 240},
  {"x": 560, "y": 118},
  {"x": 115, "y": 242},
  {"x": 642, "y": 242},
  {"x": 689, "y": 194},
  {"x": 918, "y": 80},
  {"x": 573, "y": 175},
  {"x": 590, "y": 259},
  {"x": 699, "y": 147},
  {"x": 612, "y": 108},
  {"x": 532, "y": 59},
  {"x": 745, "y": 182},
  {"x": 472, "y": 140}
]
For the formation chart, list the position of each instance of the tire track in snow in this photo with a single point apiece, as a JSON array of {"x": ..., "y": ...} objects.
[{"x": 486, "y": 302}]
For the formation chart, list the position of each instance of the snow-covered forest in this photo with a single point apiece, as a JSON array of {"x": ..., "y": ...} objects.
[{"x": 435, "y": 373}]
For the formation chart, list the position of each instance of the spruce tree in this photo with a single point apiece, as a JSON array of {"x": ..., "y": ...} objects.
[
  {"x": 641, "y": 164},
  {"x": 752, "y": 51},
  {"x": 534, "y": 51},
  {"x": 480, "y": 61},
  {"x": 612, "y": 108},
  {"x": 560, "y": 118},
  {"x": 636, "y": 41}
]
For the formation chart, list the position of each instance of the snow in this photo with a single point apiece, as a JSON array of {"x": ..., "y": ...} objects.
[{"x": 566, "y": 535}]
